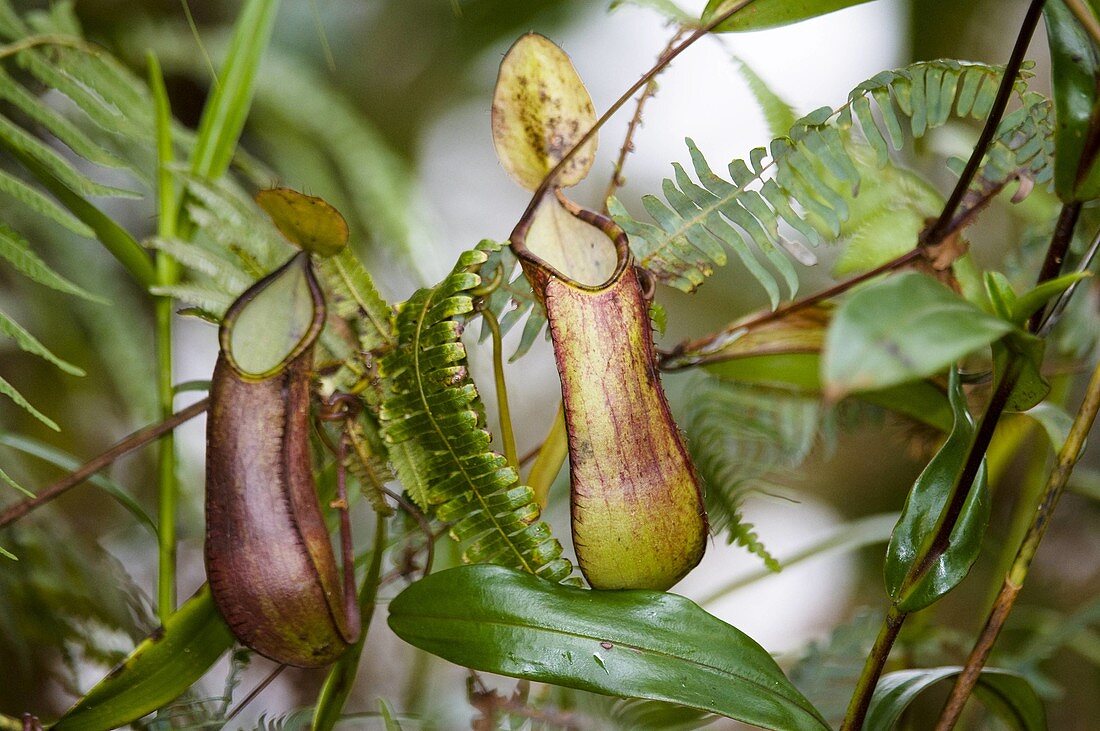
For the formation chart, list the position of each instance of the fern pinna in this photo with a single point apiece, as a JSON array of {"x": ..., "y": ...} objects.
[
  {"x": 434, "y": 418},
  {"x": 46, "y": 49},
  {"x": 818, "y": 170}
]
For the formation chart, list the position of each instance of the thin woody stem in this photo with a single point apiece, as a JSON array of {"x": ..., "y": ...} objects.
[
  {"x": 996, "y": 112},
  {"x": 692, "y": 352},
  {"x": 872, "y": 669},
  {"x": 1068, "y": 456},
  {"x": 617, "y": 180},
  {"x": 134, "y": 441}
]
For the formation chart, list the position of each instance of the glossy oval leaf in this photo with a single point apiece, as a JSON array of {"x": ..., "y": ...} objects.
[
  {"x": 157, "y": 672},
  {"x": 306, "y": 220},
  {"x": 914, "y": 578},
  {"x": 541, "y": 109},
  {"x": 275, "y": 320},
  {"x": 634, "y": 644},
  {"x": 1075, "y": 62},
  {"x": 771, "y": 13},
  {"x": 1007, "y": 694},
  {"x": 899, "y": 329}
]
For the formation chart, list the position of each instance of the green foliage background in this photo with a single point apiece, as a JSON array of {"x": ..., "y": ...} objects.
[{"x": 341, "y": 113}]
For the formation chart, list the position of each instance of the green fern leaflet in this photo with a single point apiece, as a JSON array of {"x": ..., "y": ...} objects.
[{"x": 434, "y": 417}]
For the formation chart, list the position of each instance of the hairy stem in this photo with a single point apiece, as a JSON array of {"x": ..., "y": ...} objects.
[
  {"x": 872, "y": 670},
  {"x": 1056, "y": 483},
  {"x": 617, "y": 179},
  {"x": 996, "y": 112},
  {"x": 134, "y": 441},
  {"x": 645, "y": 78}
]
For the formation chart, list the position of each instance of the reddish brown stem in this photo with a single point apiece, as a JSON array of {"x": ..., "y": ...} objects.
[
  {"x": 617, "y": 180},
  {"x": 134, "y": 441},
  {"x": 645, "y": 78}
]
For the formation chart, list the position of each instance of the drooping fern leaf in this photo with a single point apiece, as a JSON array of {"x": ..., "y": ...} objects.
[
  {"x": 433, "y": 416},
  {"x": 737, "y": 435},
  {"x": 102, "y": 116},
  {"x": 807, "y": 178}
]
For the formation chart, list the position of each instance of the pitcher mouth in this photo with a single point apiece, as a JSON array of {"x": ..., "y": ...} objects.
[{"x": 624, "y": 257}]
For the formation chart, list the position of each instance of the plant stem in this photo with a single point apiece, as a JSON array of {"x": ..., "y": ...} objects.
[
  {"x": 682, "y": 356},
  {"x": 645, "y": 78},
  {"x": 996, "y": 112},
  {"x": 340, "y": 679},
  {"x": 688, "y": 353},
  {"x": 1013, "y": 583},
  {"x": 550, "y": 458},
  {"x": 872, "y": 670},
  {"x": 507, "y": 436},
  {"x": 1056, "y": 253},
  {"x": 128, "y": 444},
  {"x": 260, "y": 687},
  {"x": 167, "y": 273},
  {"x": 617, "y": 180}
]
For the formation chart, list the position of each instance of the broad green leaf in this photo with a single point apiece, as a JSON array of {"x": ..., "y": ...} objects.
[
  {"x": 1009, "y": 695},
  {"x": 772, "y": 13},
  {"x": 541, "y": 109},
  {"x": 634, "y": 644},
  {"x": 157, "y": 672},
  {"x": 915, "y": 578},
  {"x": 224, "y": 115},
  {"x": 899, "y": 329},
  {"x": 306, "y": 220},
  {"x": 1075, "y": 62},
  {"x": 1019, "y": 308}
]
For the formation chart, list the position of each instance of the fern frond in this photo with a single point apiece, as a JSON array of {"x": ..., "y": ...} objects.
[
  {"x": 807, "y": 179},
  {"x": 15, "y": 250},
  {"x": 737, "y": 435},
  {"x": 28, "y": 343},
  {"x": 433, "y": 408},
  {"x": 778, "y": 114},
  {"x": 211, "y": 300},
  {"x": 95, "y": 89},
  {"x": 512, "y": 301},
  {"x": 226, "y": 274},
  {"x": 357, "y": 300},
  {"x": 10, "y": 391}
]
